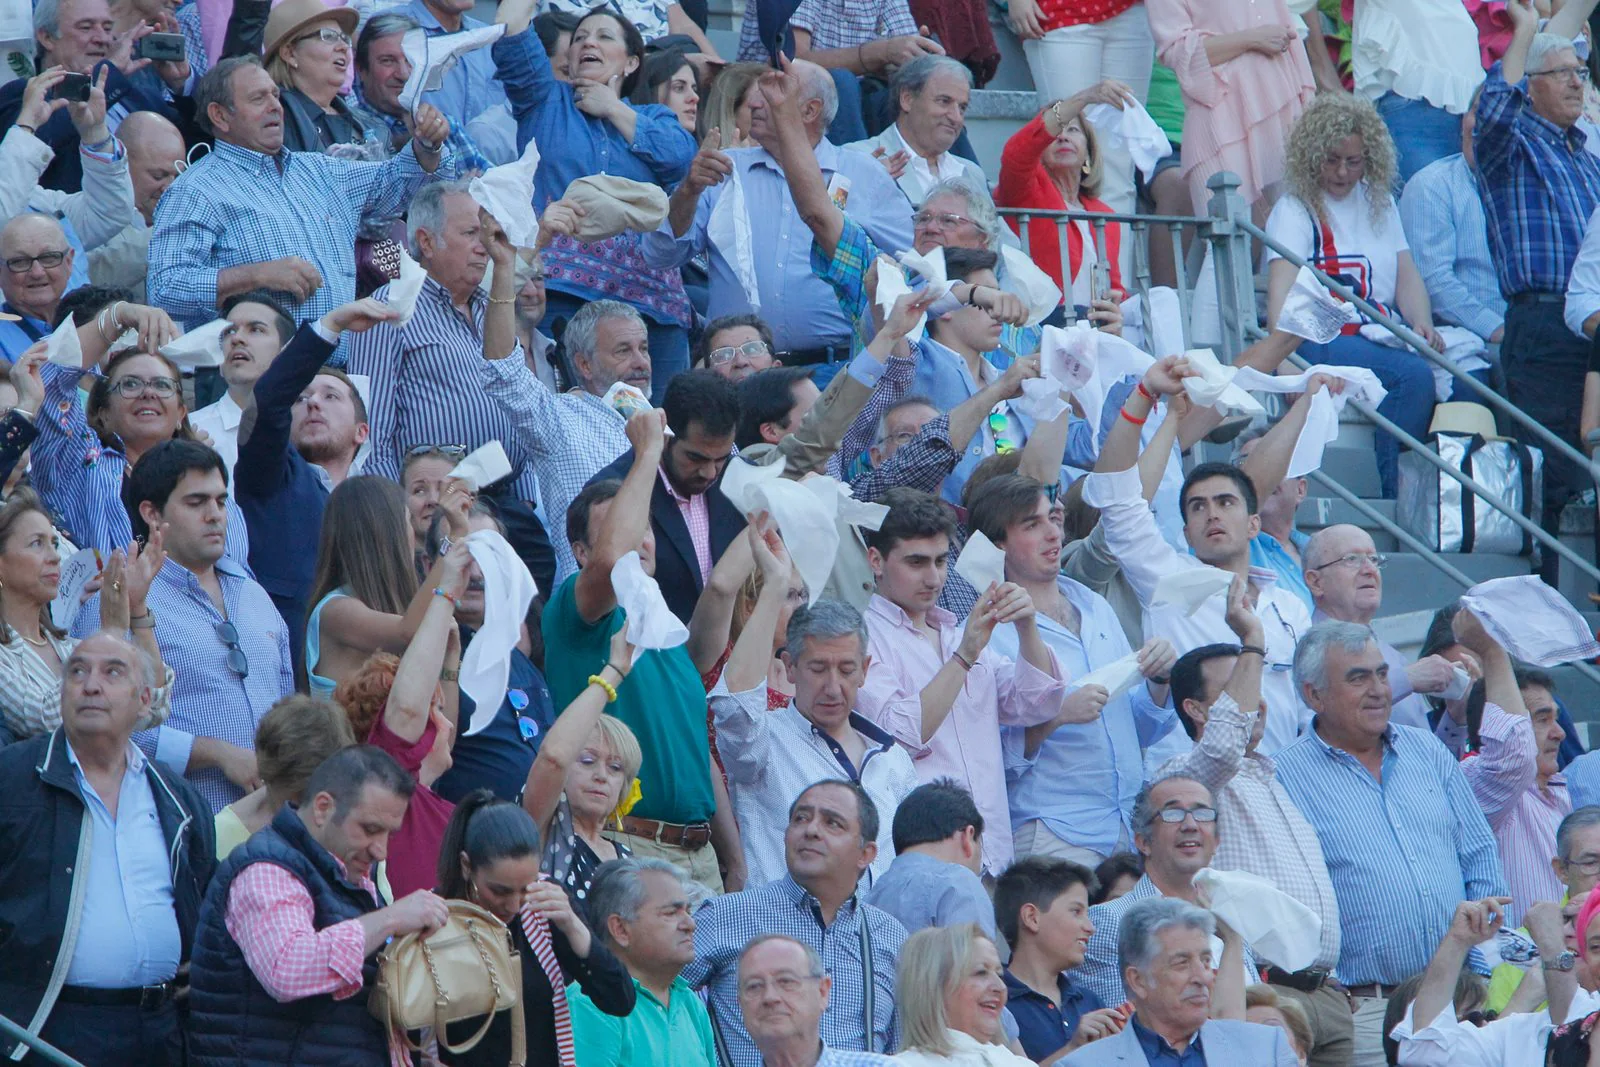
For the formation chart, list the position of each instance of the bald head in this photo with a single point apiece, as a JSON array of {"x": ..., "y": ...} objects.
[
  {"x": 36, "y": 289},
  {"x": 155, "y": 148},
  {"x": 817, "y": 85},
  {"x": 106, "y": 689},
  {"x": 1350, "y": 590}
]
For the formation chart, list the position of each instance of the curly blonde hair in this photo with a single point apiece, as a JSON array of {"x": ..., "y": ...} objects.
[{"x": 1329, "y": 119}]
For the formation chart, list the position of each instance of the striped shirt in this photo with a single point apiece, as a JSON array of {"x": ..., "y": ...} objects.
[
  {"x": 727, "y": 923},
  {"x": 1539, "y": 186},
  {"x": 697, "y": 517},
  {"x": 570, "y": 436},
  {"x": 1259, "y": 830},
  {"x": 208, "y": 698},
  {"x": 427, "y": 385},
  {"x": 1402, "y": 851},
  {"x": 80, "y": 478},
  {"x": 235, "y": 207}
]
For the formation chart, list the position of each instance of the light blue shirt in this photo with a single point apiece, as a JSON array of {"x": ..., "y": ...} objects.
[
  {"x": 1083, "y": 780},
  {"x": 800, "y": 307},
  {"x": 942, "y": 375},
  {"x": 471, "y": 88},
  {"x": 1402, "y": 852},
  {"x": 1268, "y": 553},
  {"x": 1442, "y": 212},
  {"x": 1583, "y": 780},
  {"x": 128, "y": 935}
]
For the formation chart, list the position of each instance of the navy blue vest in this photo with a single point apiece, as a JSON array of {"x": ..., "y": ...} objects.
[{"x": 233, "y": 1020}]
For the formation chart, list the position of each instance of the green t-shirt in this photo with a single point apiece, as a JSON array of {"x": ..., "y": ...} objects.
[
  {"x": 662, "y": 701},
  {"x": 677, "y": 1034},
  {"x": 1165, "y": 102}
]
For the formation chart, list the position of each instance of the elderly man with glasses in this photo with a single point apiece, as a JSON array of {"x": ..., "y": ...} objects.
[
  {"x": 1344, "y": 572},
  {"x": 38, "y": 261}
]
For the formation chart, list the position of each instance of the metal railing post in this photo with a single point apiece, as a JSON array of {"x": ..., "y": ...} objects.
[
  {"x": 1230, "y": 252},
  {"x": 13, "y": 1032}
]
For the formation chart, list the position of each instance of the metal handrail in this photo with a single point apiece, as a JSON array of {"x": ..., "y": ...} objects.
[{"x": 13, "y": 1032}]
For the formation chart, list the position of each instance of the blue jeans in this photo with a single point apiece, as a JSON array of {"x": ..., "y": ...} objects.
[
  {"x": 1408, "y": 378},
  {"x": 669, "y": 343},
  {"x": 1422, "y": 133}
]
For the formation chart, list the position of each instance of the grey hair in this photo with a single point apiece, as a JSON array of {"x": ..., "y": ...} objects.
[
  {"x": 1311, "y": 654},
  {"x": 1581, "y": 819},
  {"x": 979, "y": 207},
  {"x": 814, "y": 967},
  {"x": 216, "y": 87},
  {"x": 384, "y": 24},
  {"x": 1543, "y": 45},
  {"x": 427, "y": 210},
  {"x": 915, "y": 400},
  {"x": 618, "y": 889},
  {"x": 915, "y": 75},
  {"x": 823, "y": 620},
  {"x": 1144, "y": 812},
  {"x": 1139, "y": 933},
  {"x": 47, "y": 17},
  {"x": 818, "y": 85},
  {"x": 579, "y": 340}
]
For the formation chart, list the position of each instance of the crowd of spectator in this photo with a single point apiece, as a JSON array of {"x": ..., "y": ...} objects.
[{"x": 549, "y": 466}]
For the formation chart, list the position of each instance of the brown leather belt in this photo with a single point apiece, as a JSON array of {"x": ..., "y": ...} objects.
[
  {"x": 691, "y": 838},
  {"x": 1371, "y": 989},
  {"x": 1307, "y": 981}
]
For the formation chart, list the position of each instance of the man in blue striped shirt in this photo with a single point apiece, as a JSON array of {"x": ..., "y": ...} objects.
[
  {"x": 1403, "y": 836},
  {"x": 1540, "y": 184}
]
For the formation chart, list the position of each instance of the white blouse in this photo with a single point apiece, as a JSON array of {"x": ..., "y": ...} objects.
[
  {"x": 967, "y": 1052},
  {"x": 30, "y": 688},
  {"x": 1417, "y": 49}
]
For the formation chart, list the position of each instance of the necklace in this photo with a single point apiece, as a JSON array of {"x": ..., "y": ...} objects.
[{"x": 39, "y": 642}]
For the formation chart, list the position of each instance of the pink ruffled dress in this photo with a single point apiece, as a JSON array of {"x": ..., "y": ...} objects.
[{"x": 1237, "y": 115}]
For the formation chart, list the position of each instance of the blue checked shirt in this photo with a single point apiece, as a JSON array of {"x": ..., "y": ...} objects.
[
  {"x": 235, "y": 207},
  {"x": 1539, "y": 185},
  {"x": 427, "y": 388},
  {"x": 1442, "y": 212},
  {"x": 208, "y": 698},
  {"x": 1402, "y": 852},
  {"x": 80, "y": 478},
  {"x": 838, "y": 1057},
  {"x": 727, "y": 923}
]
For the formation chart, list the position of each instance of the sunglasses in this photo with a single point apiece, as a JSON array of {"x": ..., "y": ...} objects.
[
  {"x": 455, "y": 452},
  {"x": 238, "y": 662},
  {"x": 519, "y": 704},
  {"x": 1000, "y": 429}
]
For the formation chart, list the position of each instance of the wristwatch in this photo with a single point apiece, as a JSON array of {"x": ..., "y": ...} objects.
[{"x": 1563, "y": 962}]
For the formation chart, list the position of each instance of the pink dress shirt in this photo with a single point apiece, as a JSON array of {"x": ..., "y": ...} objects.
[
  {"x": 1237, "y": 116},
  {"x": 697, "y": 516},
  {"x": 966, "y": 746},
  {"x": 1504, "y": 776}
]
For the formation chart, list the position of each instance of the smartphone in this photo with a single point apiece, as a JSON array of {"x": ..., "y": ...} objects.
[
  {"x": 73, "y": 87},
  {"x": 161, "y": 47}
]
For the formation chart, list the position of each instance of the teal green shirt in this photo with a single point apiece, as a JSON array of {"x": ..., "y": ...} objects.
[
  {"x": 677, "y": 1033},
  {"x": 662, "y": 701}
]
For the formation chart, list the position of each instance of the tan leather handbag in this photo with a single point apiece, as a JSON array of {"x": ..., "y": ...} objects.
[{"x": 463, "y": 970}]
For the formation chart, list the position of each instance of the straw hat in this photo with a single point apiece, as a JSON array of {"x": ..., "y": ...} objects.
[
  {"x": 292, "y": 16},
  {"x": 1464, "y": 417}
]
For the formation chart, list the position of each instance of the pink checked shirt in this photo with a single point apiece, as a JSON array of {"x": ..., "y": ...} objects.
[
  {"x": 697, "y": 516},
  {"x": 270, "y": 916},
  {"x": 966, "y": 746},
  {"x": 1504, "y": 776}
]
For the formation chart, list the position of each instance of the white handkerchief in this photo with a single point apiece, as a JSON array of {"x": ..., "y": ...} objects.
[
  {"x": 1460, "y": 682},
  {"x": 404, "y": 290},
  {"x": 651, "y": 624},
  {"x": 1089, "y": 363},
  {"x": 930, "y": 267},
  {"x": 485, "y": 465},
  {"x": 1117, "y": 677},
  {"x": 1276, "y": 926},
  {"x": 1214, "y": 386},
  {"x": 431, "y": 58},
  {"x": 982, "y": 562},
  {"x": 891, "y": 287},
  {"x": 508, "y": 589},
  {"x": 1322, "y": 421},
  {"x": 1131, "y": 124},
  {"x": 1040, "y": 400},
  {"x": 1021, "y": 277},
  {"x": 860, "y": 513},
  {"x": 200, "y": 347},
  {"x": 805, "y": 517},
  {"x": 627, "y": 399},
  {"x": 62, "y": 346},
  {"x": 1312, "y": 312},
  {"x": 728, "y": 230},
  {"x": 1190, "y": 588},
  {"x": 75, "y": 574},
  {"x": 506, "y": 192},
  {"x": 1531, "y": 620}
]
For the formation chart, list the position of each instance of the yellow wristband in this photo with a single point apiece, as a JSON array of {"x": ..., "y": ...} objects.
[{"x": 611, "y": 692}]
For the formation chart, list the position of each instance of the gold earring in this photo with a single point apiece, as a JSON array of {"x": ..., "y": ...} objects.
[{"x": 1086, "y": 169}]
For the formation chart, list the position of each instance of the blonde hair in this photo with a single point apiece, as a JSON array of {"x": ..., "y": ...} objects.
[
  {"x": 933, "y": 963},
  {"x": 721, "y": 105},
  {"x": 1329, "y": 119},
  {"x": 620, "y": 739},
  {"x": 1299, "y": 1023}
]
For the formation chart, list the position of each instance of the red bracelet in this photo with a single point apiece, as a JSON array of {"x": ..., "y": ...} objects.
[
  {"x": 1137, "y": 422},
  {"x": 1147, "y": 394}
]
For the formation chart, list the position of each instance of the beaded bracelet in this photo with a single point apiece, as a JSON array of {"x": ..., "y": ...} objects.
[
  {"x": 454, "y": 602},
  {"x": 610, "y": 690}
]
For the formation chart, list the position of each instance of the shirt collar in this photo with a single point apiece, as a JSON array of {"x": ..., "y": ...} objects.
[
  {"x": 893, "y": 613},
  {"x": 801, "y": 897},
  {"x": 174, "y": 573},
  {"x": 858, "y": 722},
  {"x": 1154, "y": 1044},
  {"x": 672, "y": 490},
  {"x": 1389, "y": 734},
  {"x": 136, "y": 760},
  {"x": 1016, "y": 989},
  {"x": 249, "y": 158},
  {"x": 229, "y": 412}
]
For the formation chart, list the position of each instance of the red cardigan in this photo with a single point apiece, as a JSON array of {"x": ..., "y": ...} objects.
[{"x": 1024, "y": 183}]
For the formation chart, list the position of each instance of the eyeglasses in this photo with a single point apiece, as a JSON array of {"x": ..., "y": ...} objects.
[
  {"x": 719, "y": 356},
  {"x": 1356, "y": 559},
  {"x": 456, "y": 452},
  {"x": 1581, "y": 73},
  {"x": 1588, "y": 867},
  {"x": 23, "y": 264},
  {"x": 131, "y": 385},
  {"x": 903, "y": 438},
  {"x": 1000, "y": 429},
  {"x": 328, "y": 35},
  {"x": 238, "y": 662},
  {"x": 786, "y": 983},
  {"x": 944, "y": 220},
  {"x": 1174, "y": 816}
]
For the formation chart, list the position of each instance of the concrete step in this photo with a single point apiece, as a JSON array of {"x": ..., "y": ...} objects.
[
  {"x": 1411, "y": 583},
  {"x": 1355, "y": 468},
  {"x": 1318, "y": 512}
]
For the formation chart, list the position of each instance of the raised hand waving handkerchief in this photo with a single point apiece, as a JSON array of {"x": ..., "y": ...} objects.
[
  {"x": 200, "y": 347},
  {"x": 651, "y": 624},
  {"x": 805, "y": 518},
  {"x": 1322, "y": 421},
  {"x": 485, "y": 465},
  {"x": 1132, "y": 125},
  {"x": 1275, "y": 925},
  {"x": 1212, "y": 385},
  {"x": 506, "y": 192},
  {"x": 1190, "y": 588},
  {"x": 508, "y": 589},
  {"x": 404, "y": 290},
  {"x": 1531, "y": 620},
  {"x": 1023, "y": 279},
  {"x": 982, "y": 562},
  {"x": 432, "y": 57},
  {"x": 1116, "y": 677}
]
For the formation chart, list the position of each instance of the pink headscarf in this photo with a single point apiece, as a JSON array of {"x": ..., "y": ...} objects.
[{"x": 1586, "y": 914}]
